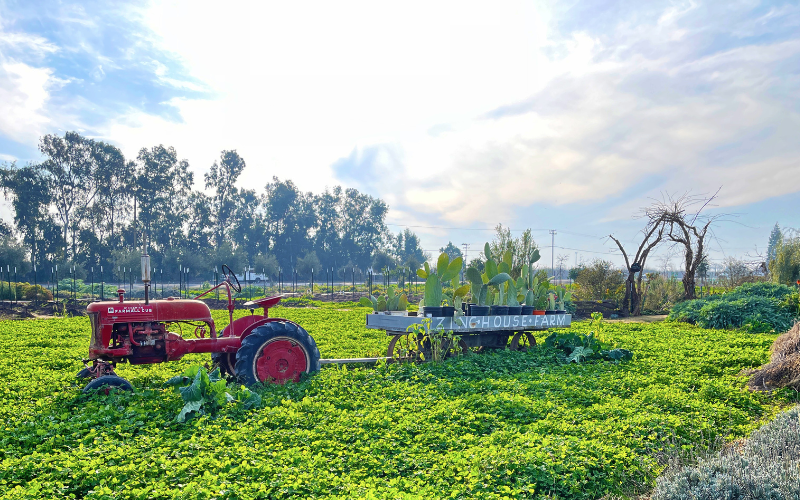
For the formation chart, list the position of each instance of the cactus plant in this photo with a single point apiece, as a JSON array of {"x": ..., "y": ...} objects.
[
  {"x": 378, "y": 304},
  {"x": 392, "y": 302},
  {"x": 480, "y": 284},
  {"x": 445, "y": 271}
]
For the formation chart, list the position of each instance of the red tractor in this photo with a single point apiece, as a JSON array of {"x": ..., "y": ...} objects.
[{"x": 254, "y": 348}]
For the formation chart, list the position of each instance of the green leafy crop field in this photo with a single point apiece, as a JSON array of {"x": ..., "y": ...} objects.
[{"x": 498, "y": 425}]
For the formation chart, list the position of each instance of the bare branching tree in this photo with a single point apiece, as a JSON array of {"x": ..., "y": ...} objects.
[
  {"x": 653, "y": 233},
  {"x": 686, "y": 225}
]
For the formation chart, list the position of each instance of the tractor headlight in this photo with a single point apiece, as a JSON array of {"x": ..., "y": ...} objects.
[{"x": 145, "y": 268}]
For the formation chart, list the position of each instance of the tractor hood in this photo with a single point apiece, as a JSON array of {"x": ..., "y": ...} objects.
[{"x": 165, "y": 311}]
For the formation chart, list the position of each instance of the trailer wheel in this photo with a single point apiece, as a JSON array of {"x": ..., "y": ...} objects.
[
  {"x": 105, "y": 383},
  {"x": 522, "y": 341},
  {"x": 276, "y": 352}
]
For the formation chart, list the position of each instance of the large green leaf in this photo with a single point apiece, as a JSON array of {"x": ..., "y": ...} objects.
[
  {"x": 487, "y": 251},
  {"x": 508, "y": 259},
  {"x": 499, "y": 278},
  {"x": 473, "y": 275},
  {"x": 218, "y": 391},
  {"x": 579, "y": 354},
  {"x": 188, "y": 408},
  {"x": 452, "y": 269},
  {"x": 433, "y": 291},
  {"x": 512, "y": 294},
  {"x": 192, "y": 392},
  {"x": 481, "y": 300},
  {"x": 461, "y": 291},
  {"x": 422, "y": 273},
  {"x": 535, "y": 256},
  {"x": 441, "y": 265},
  {"x": 491, "y": 269},
  {"x": 503, "y": 268}
]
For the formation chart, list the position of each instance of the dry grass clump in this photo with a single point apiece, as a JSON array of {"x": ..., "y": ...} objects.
[{"x": 783, "y": 369}]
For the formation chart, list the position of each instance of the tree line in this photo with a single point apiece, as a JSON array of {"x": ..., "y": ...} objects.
[{"x": 86, "y": 205}]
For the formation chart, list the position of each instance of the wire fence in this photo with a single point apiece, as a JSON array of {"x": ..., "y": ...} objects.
[{"x": 67, "y": 286}]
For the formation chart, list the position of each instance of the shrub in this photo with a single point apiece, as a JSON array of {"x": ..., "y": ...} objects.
[
  {"x": 766, "y": 467},
  {"x": 752, "y": 305},
  {"x": 24, "y": 291},
  {"x": 601, "y": 280},
  {"x": 785, "y": 267},
  {"x": 661, "y": 294}
]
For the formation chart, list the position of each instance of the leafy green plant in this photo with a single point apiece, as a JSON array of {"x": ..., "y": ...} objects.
[
  {"x": 206, "y": 393},
  {"x": 756, "y": 304},
  {"x": 581, "y": 347},
  {"x": 502, "y": 423},
  {"x": 440, "y": 343}
]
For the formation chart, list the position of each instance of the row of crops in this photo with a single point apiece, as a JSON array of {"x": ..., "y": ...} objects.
[{"x": 497, "y": 425}]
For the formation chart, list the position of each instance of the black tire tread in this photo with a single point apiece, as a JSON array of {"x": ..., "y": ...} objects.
[
  {"x": 108, "y": 380},
  {"x": 251, "y": 344}
]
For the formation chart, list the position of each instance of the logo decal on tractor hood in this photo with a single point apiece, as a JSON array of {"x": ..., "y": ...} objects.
[{"x": 129, "y": 309}]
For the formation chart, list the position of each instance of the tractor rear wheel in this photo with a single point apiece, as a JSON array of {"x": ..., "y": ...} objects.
[
  {"x": 105, "y": 383},
  {"x": 276, "y": 352}
]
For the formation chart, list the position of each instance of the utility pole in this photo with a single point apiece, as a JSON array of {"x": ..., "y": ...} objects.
[
  {"x": 466, "y": 250},
  {"x": 553, "y": 251}
]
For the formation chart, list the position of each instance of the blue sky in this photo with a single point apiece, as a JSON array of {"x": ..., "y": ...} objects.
[{"x": 462, "y": 115}]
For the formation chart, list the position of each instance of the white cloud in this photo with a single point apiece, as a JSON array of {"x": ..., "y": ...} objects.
[
  {"x": 24, "y": 91},
  {"x": 476, "y": 112}
]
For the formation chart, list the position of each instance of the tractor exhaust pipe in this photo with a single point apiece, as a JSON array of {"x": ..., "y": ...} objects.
[{"x": 146, "y": 276}]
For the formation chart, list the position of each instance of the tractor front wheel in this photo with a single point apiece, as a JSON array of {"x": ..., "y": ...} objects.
[
  {"x": 105, "y": 383},
  {"x": 276, "y": 352}
]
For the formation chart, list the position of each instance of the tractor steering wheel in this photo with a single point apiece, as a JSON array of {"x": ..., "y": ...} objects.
[{"x": 226, "y": 271}]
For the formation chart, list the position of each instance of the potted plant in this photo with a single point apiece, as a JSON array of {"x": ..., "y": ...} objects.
[
  {"x": 482, "y": 285},
  {"x": 431, "y": 303},
  {"x": 454, "y": 298},
  {"x": 378, "y": 304},
  {"x": 562, "y": 297},
  {"x": 396, "y": 303},
  {"x": 535, "y": 288}
]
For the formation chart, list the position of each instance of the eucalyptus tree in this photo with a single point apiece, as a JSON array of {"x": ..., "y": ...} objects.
[
  {"x": 363, "y": 226},
  {"x": 30, "y": 198},
  {"x": 290, "y": 218},
  {"x": 327, "y": 235},
  {"x": 163, "y": 185},
  {"x": 221, "y": 178},
  {"x": 70, "y": 172}
]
